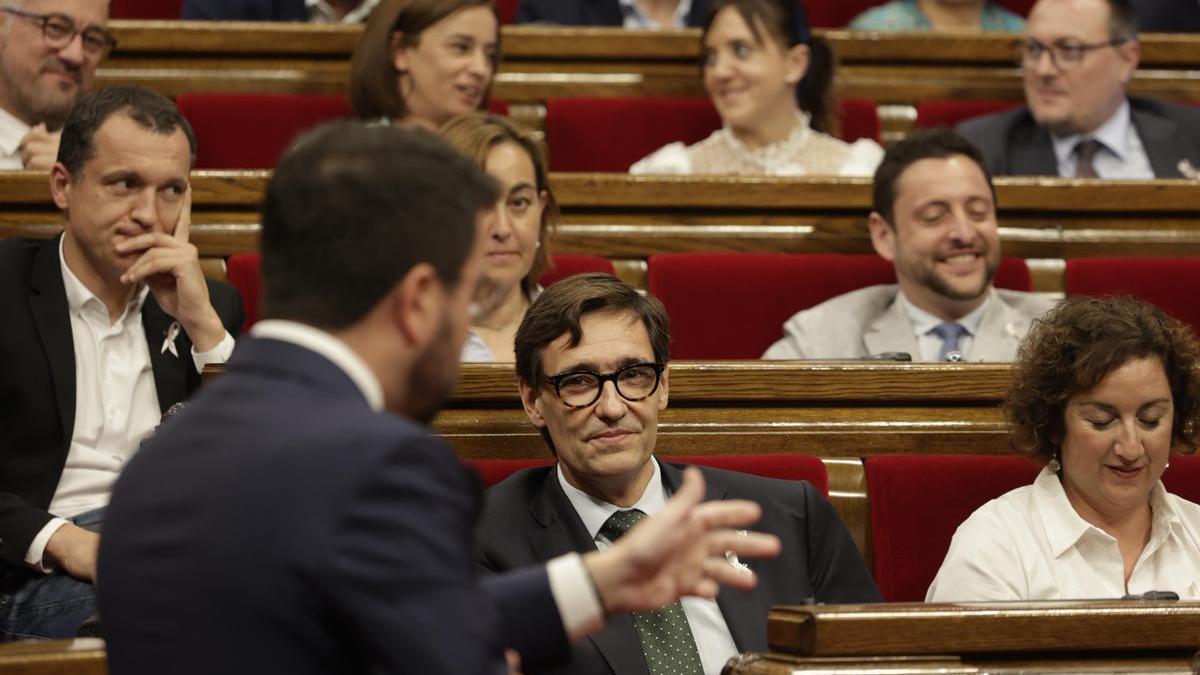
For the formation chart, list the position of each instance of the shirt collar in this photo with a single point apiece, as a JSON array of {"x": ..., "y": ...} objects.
[
  {"x": 317, "y": 340},
  {"x": 1113, "y": 134},
  {"x": 324, "y": 12},
  {"x": 80, "y": 296},
  {"x": 923, "y": 322},
  {"x": 1065, "y": 527},
  {"x": 630, "y": 9},
  {"x": 12, "y": 130},
  {"x": 594, "y": 512}
]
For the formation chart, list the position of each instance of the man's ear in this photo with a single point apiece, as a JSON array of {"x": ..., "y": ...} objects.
[
  {"x": 1131, "y": 54},
  {"x": 399, "y": 50},
  {"x": 663, "y": 383},
  {"x": 60, "y": 185},
  {"x": 883, "y": 236},
  {"x": 797, "y": 64},
  {"x": 532, "y": 403},
  {"x": 418, "y": 306}
]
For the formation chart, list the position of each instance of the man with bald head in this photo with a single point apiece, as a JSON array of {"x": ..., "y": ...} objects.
[
  {"x": 49, "y": 50},
  {"x": 1077, "y": 60}
]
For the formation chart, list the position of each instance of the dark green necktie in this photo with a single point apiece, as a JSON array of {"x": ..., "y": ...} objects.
[{"x": 666, "y": 638}]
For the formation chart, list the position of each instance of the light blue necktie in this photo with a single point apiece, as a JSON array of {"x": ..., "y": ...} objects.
[{"x": 950, "y": 332}]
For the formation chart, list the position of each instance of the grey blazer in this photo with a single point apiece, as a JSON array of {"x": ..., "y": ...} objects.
[
  {"x": 1013, "y": 144},
  {"x": 870, "y": 321}
]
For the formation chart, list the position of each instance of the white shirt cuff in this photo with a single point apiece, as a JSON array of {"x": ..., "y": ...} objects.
[
  {"x": 218, "y": 354},
  {"x": 576, "y": 596},
  {"x": 37, "y": 547}
]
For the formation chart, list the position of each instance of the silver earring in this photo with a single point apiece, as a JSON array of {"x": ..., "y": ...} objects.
[{"x": 1054, "y": 464}]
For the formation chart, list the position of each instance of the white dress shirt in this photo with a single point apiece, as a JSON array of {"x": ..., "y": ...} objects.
[
  {"x": 636, "y": 18},
  {"x": 116, "y": 402},
  {"x": 570, "y": 584},
  {"x": 12, "y": 131},
  {"x": 1121, "y": 153},
  {"x": 923, "y": 324},
  {"x": 713, "y": 639},
  {"x": 1030, "y": 544},
  {"x": 319, "y": 11}
]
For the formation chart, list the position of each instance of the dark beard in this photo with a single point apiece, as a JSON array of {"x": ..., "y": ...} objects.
[{"x": 434, "y": 376}]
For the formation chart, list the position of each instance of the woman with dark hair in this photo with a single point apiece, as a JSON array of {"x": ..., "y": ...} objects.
[
  {"x": 516, "y": 251},
  {"x": 422, "y": 62},
  {"x": 1104, "y": 392},
  {"x": 770, "y": 82}
]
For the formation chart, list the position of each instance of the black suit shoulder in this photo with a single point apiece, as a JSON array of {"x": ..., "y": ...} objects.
[
  {"x": 994, "y": 133},
  {"x": 244, "y": 10}
]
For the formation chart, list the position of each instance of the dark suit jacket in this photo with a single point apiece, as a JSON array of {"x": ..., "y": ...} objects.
[
  {"x": 37, "y": 381},
  {"x": 527, "y": 518},
  {"x": 590, "y": 12},
  {"x": 1014, "y": 145},
  {"x": 1167, "y": 16},
  {"x": 245, "y": 10},
  {"x": 280, "y": 525}
]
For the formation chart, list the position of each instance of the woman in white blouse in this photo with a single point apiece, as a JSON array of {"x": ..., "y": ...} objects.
[
  {"x": 1105, "y": 391},
  {"x": 516, "y": 254},
  {"x": 756, "y": 56}
]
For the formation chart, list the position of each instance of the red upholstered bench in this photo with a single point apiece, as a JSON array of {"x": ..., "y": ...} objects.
[
  {"x": 785, "y": 466},
  {"x": 931, "y": 114},
  {"x": 733, "y": 305},
  {"x": 1183, "y": 477},
  {"x": 1169, "y": 283},
  {"x": 146, "y": 9},
  {"x": 917, "y": 502},
  {"x": 563, "y": 265}
]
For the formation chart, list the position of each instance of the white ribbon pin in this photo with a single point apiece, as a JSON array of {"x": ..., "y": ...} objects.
[{"x": 169, "y": 342}]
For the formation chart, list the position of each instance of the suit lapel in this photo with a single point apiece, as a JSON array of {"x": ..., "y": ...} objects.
[
  {"x": 170, "y": 371},
  {"x": 891, "y": 331},
  {"x": 48, "y": 302},
  {"x": 1159, "y": 137},
  {"x": 605, "y": 13},
  {"x": 1031, "y": 153},
  {"x": 561, "y": 532},
  {"x": 999, "y": 332}
]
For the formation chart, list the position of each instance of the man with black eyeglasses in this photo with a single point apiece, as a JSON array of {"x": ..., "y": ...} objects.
[
  {"x": 49, "y": 50},
  {"x": 1077, "y": 58},
  {"x": 591, "y": 360}
]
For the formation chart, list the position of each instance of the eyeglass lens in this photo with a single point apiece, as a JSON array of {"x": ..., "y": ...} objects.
[{"x": 633, "y": 383}]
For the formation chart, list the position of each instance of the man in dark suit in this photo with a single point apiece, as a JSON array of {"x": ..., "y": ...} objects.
[
  {"x": 1168, "y": 16},
  {"x": 627, "y": 13},
  {"x": 324, "y": 11},
  {"x": 299, "y": 517},
  {"x": 1077, "y": 59},
  {"x": 106, "y": 326},
  {"x": 591, "y": 362}
]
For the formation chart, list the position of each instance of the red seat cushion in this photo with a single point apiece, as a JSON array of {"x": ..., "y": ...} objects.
[
  {"x": 1183, "y": 477},
  {"x": 1169, "y": 283},
  {"x": 251, "y": 131},
  {"x": 784, "y": 466},
  {"x": 563, "y": 265},
  {"x": 146, "y": 9},
  {"x": 507, "y": 10},
  {"x": 917, "y": 503},
  {"x": 610, "y": 134},
  {"x": 244, "y": 272},
  {"x": 733, "y": 305},
  {"x": 931, "y": 114}
]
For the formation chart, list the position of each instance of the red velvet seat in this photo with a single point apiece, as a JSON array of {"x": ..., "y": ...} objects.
[
  {"x": 1183, "y": 477},
  {"x": 146, "y": 9},
  {"x": 839, "y": 13},
  {"x": 507, "y": 10},
  {"x": 784, "y": 466},
  {"x": 1170, "y": 283},
  {"x": 251, "y": 131},
  {"x": 932, "y": 114},
  {"x": 610, "y": 134},
  {"x": 918, "y": 501},
  {"x": 244, "y": 272},
  {"x": 733, "y": 305}
]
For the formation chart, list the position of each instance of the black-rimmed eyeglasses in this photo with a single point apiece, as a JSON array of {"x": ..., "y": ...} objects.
[
  {"x": 581, "y": 388},
  {"x": 59, "y": 29},
  {"x": 1064, "y": 54}
]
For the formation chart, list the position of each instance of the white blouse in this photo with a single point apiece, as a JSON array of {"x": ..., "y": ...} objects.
[{"x": 1030, "y": 544}]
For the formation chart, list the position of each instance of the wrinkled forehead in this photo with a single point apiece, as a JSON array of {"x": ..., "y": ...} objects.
[
  {"x": 608, "y": 340},
  {"x": 956, "y": 176}
]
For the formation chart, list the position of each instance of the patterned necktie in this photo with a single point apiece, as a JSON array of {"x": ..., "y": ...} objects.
[
  {"x": 1085, "y": 152},
  {"x": 665, "y": 635},
  {"x": 950, "y": 332}
]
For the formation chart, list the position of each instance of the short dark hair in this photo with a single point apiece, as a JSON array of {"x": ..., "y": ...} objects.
[
  {"x": 921, "y": 144},
  {"x": 1122, "y": 20},
  {"x": 352, "y": 208},
  {"x": 151, "y": 110},
  {"x": 557, "y": 312},
  {"x": 1075, "y": 345},
  {"x": 374, "y": 82}
]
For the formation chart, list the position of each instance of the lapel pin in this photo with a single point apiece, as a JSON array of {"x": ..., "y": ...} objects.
[{"x": 168, "y": 344}]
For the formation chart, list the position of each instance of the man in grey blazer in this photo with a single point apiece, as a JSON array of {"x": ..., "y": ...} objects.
[
  {"x": 1077, "y": 59},
  {"x": 580, "y": 335},
  {"x": 934, "y": 218}
]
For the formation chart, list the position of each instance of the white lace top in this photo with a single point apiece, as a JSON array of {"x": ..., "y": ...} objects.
[{"x": 804, "y": 152}]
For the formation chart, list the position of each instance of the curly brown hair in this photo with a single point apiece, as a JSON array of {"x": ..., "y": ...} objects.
[{"x": 1079, "y": 342}]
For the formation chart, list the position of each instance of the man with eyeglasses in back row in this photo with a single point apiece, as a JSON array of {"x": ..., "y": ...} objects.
[
  {"x": 1077, "y": 58},
  {"x": 49, "y": 50}
]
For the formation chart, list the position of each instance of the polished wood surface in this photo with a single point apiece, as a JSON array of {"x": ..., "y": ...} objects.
[
  {"x": 84, "y": 656},
  {"x": 786, "y": 664},
  {"x": 905, "y": 629}
]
